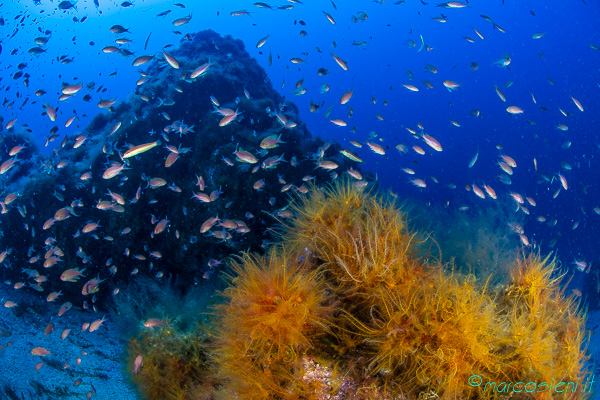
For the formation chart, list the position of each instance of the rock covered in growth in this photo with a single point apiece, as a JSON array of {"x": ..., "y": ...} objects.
[
  {"x": 353, "y": 305},
  {"x": 226, "y": 150}
]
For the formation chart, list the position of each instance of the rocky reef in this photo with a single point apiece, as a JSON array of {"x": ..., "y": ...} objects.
[
  {"x": 227, "y": 148},
  {"x": 350, "y": 303}
]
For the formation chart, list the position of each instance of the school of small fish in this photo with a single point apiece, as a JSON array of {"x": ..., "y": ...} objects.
[{"x": 49, "y": 262}]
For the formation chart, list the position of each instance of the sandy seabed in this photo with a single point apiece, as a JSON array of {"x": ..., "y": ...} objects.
[{"x": 101, "y": 352}]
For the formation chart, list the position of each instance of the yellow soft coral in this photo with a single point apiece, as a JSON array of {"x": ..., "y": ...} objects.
[
  {"x": 274, "y": 312},
  {"x": 545, "y": 337},
  {"x": 350, "y": 285}
]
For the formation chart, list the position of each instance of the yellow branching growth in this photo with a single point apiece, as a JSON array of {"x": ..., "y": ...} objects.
[
  {"x": 275, "y": 306},
  {"x": 436, "y": 338},
  {"x": 275, "y": 310},
  {"x": 349, "y": 287},
  {"x": 173, "y": 364},
  {"x": 545, "y": 337},
  {"x": 361, "y": 240}
]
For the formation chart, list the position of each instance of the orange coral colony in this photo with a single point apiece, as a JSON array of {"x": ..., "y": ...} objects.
[{"x": 351, "y": 304}]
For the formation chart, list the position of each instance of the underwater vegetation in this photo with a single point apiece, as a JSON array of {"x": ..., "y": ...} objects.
[
  {"x": 350, "y": 303},
  {"x": 174, "y": 363},
  {"x": 275, "y": 311}
]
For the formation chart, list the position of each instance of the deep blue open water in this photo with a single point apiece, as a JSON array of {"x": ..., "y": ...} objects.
[{"x": 527, "y": 87}]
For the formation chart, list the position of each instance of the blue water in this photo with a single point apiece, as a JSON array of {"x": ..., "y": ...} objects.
[{"x": 563, "y": 63}]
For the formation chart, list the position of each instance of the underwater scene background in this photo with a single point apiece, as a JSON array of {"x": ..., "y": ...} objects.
[{"x": 298, "y": 199}]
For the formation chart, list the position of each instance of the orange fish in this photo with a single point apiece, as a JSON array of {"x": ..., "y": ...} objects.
[
  {"x": 375, "y": 148},
  {"x": 577, "y": 103},
  {"x": 208, "y": 224},
  {"x": 90, "y": 227},
  {"x": 478, "y": 192},
  {"x": 419, "y": 183},
  {"x": 65, "y": 307},
  {"x": 451, "y": 85},
  {"x": 105, "y": 103},
  {"x": 10, "y": 124},
  {"x": 514, "y": 110},
  {"x": 134, "y": 151},
  {"x": 53, "y": 296},
  {"x": 137, "y": 363},
  {"x": 338, "y": 122},
  {"x": 418, "y": 150},
  {"x": 171, "y": 158},
  {"x": 172, "y": 61},
  {"x": 201, "y": 70},
  {"x": 152, "y": 322},
  {"x": 490, "y": 192},
  {"x": 340, "y": 62},
  {"x": 114, "y": 170},
  {"x": 329, "y": 17},
  {"x": 346, "y": 97},
  {"x": 96, "y": 324},
  {"x": 142, "y": 60},
  {"x": 509, "y": 160},
  {"x": 327, "y": 165},
  {"x": 51, "y": 113},
  {"x": 203, "y": 197},
  {"x": 71, "y": 275},
  {"x": 49, "y": 329},
  {"x": 432, "y": 142},
  {"x": 160, "y": 227},
  {"x": 71, "y": 89},
  {"x": 156, "y": 183},
  {"x": 244, "y": 156},
  {"x": 563, "y": 181},
  {"x": 228, "y": 119},
  {"x": 91, "y": 286},
  {"x": 6, "y": 165},
  {"x": 39, "y": 351}
]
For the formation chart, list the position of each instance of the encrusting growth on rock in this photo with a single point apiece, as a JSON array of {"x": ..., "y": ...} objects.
[{"x": 350, "y": 305}]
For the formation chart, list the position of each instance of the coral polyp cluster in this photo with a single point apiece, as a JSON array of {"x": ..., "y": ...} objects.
[
  {"x": 351, "y": 304},
  {"x": 276, "y": 306},
  {"x": 276, "y": 309},
  {"x": 434, "y": 342},
  {"x": 545, "y": 327},
  {"x": 361, "y": 240}
]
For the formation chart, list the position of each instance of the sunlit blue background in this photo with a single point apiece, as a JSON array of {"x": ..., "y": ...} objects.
[{"x": 565, "y": 56}]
